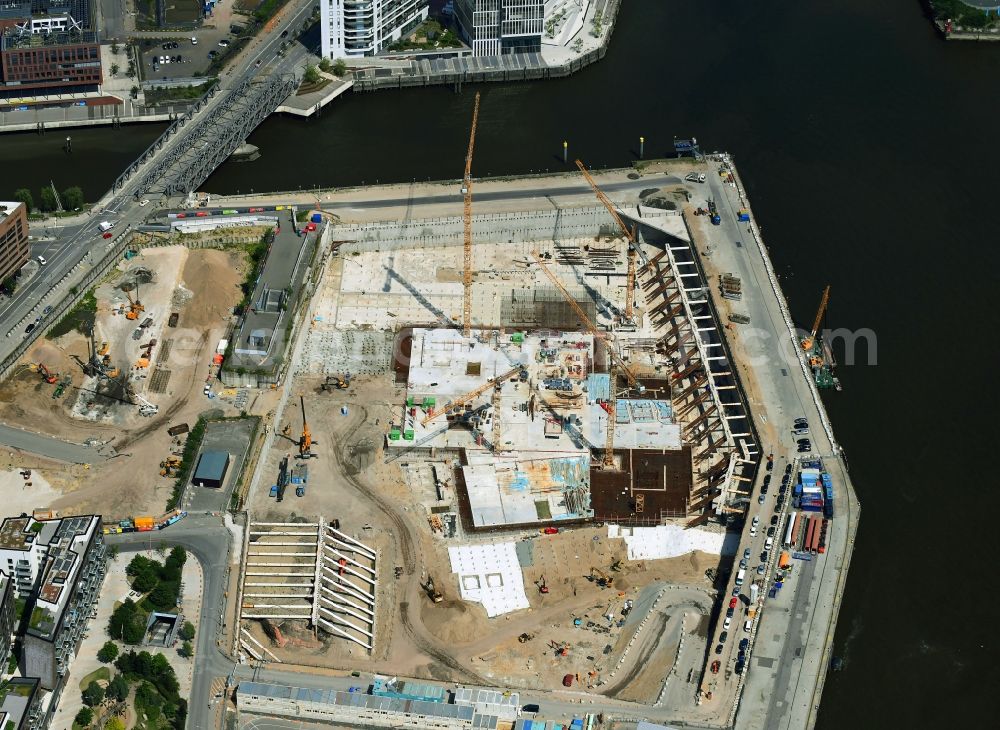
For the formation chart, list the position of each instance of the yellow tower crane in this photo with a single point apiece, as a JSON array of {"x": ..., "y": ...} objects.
[
  {"x": 472, "y": 395},
  {"x": 467, "y": 192},
  {"x": 629, "y": 235},
  {"x": 807, "y": 342},
  {"x": 616, "y": 365}
]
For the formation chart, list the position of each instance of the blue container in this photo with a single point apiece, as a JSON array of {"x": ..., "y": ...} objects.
[{"x": 316, "y": 218}]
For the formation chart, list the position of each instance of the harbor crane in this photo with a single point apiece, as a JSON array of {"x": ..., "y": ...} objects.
[
  {"x": 630, "y": 236},
  {"x": 616, "y": 366},
  {"x": 808, "y": 342},
  {"x": 472, "y": 395},
  {"x": 467, "y": 226},
  {"x": 305, "y": 441}
]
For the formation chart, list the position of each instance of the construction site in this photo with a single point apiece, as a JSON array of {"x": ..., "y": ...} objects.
[
  {"x": 533, "y": 411},
  {"x": 130, "y": 362}
]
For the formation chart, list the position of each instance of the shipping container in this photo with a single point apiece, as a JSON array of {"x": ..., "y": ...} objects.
[
  {"x": 784, "y": 560},
  {"x": 796, "y": 530},
  {"x": 790, "y": 530},
  {"x": 144, "y": 522},
  {"x": 178, "y": 429},
  {"x": 809, "y": 535},
  {"x": 815, "y": 543}
]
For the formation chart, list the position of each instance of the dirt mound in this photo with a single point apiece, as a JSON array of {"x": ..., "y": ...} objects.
[
  {"x": 215, "y": 278},
  {"x": 453, "y": 622}
]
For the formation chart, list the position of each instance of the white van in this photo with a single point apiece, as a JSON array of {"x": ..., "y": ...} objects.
[
  {"x": 105, "y": 226},
  {"x": 769, "y": 543},
  {"x": 740, "y": 576},
  {"x": 748, "y": 625}
]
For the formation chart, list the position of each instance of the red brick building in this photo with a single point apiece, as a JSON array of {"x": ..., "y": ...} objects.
[
  {"x": 13, "y": 238},
  {"x": 58, "y": 61}
]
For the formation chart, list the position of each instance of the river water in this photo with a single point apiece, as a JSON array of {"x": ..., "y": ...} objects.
[{"x": 870, "y": 150}]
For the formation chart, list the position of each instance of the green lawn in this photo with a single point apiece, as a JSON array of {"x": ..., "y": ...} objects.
[{"x": 102, "y": 673}]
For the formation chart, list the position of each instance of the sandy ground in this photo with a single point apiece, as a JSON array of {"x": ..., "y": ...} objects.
[
  {"x": 19, "y": 497},
  {"x": 115, "y": 590},
  {"x": 202, "y": 286},
  {"x": 453, "y": 639}
]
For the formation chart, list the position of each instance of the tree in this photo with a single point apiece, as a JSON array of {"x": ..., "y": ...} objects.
[
  {"x": 93, "y": 695},
  {"x": 144, "y": 573},
  {"x": 186, "y": 650},
  {"x": 177, "y": 557},
  {"x": 115, "y": 723},
  {"x": 164, "y": 596},
  {"x": 115, "y": 47},
  {"x": 84, "y": 717},
  {"x": 47, "y": 198},
  {"x": 117, "y": 688},
  {"x": 24, "y": 195},
  {"x": 108, "y": 653},
  {"x": 72, "y": 198},
  {"x": 339, "y": 67},
  {"x": 312, "y": 75},
  {"x": 134, "y": 91},
  {"x": 128, "y": 623},
  {"x": 115, "y": 68},
  {"x": 325, "y": 64},
  {"x": 187, "y": 631}
]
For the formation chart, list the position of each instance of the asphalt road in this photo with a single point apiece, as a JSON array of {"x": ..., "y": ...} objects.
[
  {"x": 38, "y": 443},
  {"x": 509, "y": 194},
  {"x": 80, "y": 236}
]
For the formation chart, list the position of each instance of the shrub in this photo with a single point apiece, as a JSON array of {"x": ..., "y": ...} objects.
[
  {"x": 108, "y": 653},
  {"x": 93, "y": 694},
  {"x": 84, "y": 717}
]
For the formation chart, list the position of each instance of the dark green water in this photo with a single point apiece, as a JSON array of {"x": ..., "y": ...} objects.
[{"x": 870, "y": 149}]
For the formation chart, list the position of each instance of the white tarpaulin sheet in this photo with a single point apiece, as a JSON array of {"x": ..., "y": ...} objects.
[
  {"x": 666, "y": 541},
  {"x": 490, "y": 575}
]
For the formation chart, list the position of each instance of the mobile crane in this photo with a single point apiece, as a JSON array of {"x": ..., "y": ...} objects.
[{"x": 305, "y": 441}]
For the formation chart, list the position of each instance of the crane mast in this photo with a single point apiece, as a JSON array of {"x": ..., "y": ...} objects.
[
  {"x": 807, "y": 343},
  {"x": 471, "y": 396},
  {"x": 630, "y": 235},
  {"x": 305, "y": 443},
  {"x": 616, "y": 365},
  {"x": 467, "y": 252}
]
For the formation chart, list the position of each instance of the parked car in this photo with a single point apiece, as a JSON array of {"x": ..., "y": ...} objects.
[
  {"x": 724, "y": 635},
  {"x": 194, "y": 41},
  {"x": 29, "y": 328},
  {"x": 42, "y": 261}
]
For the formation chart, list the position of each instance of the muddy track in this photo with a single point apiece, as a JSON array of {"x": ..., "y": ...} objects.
[
  {"x": 430, "y": 650},
  {"x": 161, "y": 420},
  {"x": 406, "y": 547},
  {"x": 405, "y": 538},
  {"x": 641, "y": 662}
]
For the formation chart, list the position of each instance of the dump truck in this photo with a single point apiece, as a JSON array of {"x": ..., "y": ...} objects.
[{"x": 178, "y": 429}]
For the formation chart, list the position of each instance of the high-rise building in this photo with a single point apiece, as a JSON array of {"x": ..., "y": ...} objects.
[
  {"x": 7, "y": 621},
  {"x": 496, "y": 27},
  {"x": 352, "y": 28},
  {"x": 14, "y": 250}
]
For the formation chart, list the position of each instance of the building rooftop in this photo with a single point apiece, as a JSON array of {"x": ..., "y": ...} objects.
[
  {"x": 8, "y": 208},
  {"x": 356, "y": 699},
  {"x": 12, "y": 39},
  {"x": 66, "y": 540},
  {"x": 211, "y": 465},
  {"x": 525, "y": 488},
  {"x": 15, "y": 700}
]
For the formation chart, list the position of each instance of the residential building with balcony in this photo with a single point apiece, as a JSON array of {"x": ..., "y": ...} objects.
[
  {"x": 58, "y": 567},
  {"x": 355, "y": 28},
  {"x": 20, "y": 704},
  {"x": 8, "y": 619},
  {"x": 497, "y": 27}
]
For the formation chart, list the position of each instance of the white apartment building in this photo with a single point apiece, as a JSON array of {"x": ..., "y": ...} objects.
[
  {"x": 353, "y": 28},
  {"x": 495, "y": 27}
]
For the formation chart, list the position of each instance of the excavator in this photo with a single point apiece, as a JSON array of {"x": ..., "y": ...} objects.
[
  {"x": 603, "y": 579},
  {"x": 47, "y": 375},
  {"x": 432, "y": 592},
  {"x": 542, "y": 585}
]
